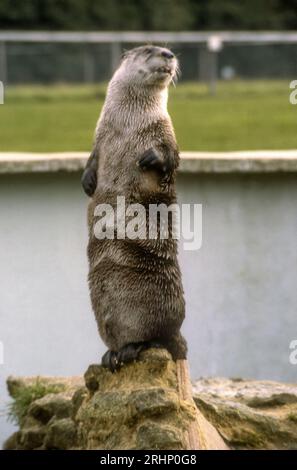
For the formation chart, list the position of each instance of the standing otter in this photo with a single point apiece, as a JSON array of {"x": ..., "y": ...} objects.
[{"x": 135, "y": 284}]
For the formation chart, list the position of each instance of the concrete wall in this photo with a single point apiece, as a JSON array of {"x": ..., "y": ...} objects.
[{"x": 240, "y": 286}]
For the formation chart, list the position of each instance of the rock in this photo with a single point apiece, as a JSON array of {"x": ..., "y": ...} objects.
[
  {"x": 69, "y": 384},
  {"x": 77, "y": 399},
  {"x": 136, "y": 407},
  {"x": 156, "y": 436},
  {"x": 142, "y": 407},
  {"x": 43, "y": 409},
  {"x": 146, "y": 405},
  {"x": 61, "y": 434},
  {"x": 12, "y": 443},
  {"x": 250, "y": 414},
  {"x": 47, "y": 420},
  {"x": 92, "y": 377},
  {"x": 32, "y": 437},
  {"x": 153, "y": 402}
]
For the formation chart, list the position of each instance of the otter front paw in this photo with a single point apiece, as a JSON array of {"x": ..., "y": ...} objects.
[
  {"x": 130, "y": 352},
  {"x": 110, "y": 360},
  {"x": 114, "y": 360},
  {"x": 89, "y": 181},
  {"x": 149, "y": 160}
]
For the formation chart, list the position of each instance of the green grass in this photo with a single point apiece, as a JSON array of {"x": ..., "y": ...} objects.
[
  {"x": 243, "y": 115},
  {"x": 24, "y": 396}
]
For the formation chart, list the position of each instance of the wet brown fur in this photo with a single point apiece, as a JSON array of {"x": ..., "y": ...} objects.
[{"x": 135, "y": 285}]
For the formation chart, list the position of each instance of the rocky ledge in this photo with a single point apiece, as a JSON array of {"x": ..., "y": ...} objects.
[
  {"x": 140, "y": 407},
  {"x": 250, "y": 414}
]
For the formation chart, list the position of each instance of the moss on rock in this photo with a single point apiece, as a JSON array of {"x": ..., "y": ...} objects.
[
  {"x": 137, "y": 402},
  {"x": 137, "y": 407}
]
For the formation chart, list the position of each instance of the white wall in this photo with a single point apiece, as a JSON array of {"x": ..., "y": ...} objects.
[{"x": 240, "y": 286}]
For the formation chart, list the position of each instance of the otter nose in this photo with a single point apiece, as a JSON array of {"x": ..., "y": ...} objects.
[{"x": 167, "y": 54}]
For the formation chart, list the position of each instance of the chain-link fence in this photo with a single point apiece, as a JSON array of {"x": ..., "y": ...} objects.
[{"x": 91, "y": 57}]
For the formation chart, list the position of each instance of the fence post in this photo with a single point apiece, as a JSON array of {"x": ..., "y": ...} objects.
[
  {"x": 88, "y": 65},
  {"x": 213, "y": 72},
  {"x": 116, "y": 52},
  {"x": 214, "y": 45},
  {"x": 3, "y": 63}
]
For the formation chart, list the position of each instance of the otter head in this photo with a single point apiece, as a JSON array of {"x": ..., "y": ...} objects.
[{"x": 148, "y": 66}]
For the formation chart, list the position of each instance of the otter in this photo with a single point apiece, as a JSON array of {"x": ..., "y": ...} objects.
[{"x": 135, "y": 284}]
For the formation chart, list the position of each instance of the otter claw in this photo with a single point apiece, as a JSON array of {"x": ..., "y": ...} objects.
[{"x": 110, "y": 360}]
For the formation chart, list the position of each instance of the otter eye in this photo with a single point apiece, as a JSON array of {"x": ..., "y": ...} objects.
[{"x": 125, "y": 54}]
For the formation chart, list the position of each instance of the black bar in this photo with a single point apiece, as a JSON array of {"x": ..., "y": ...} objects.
[{"x": 139, "y": 459}]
